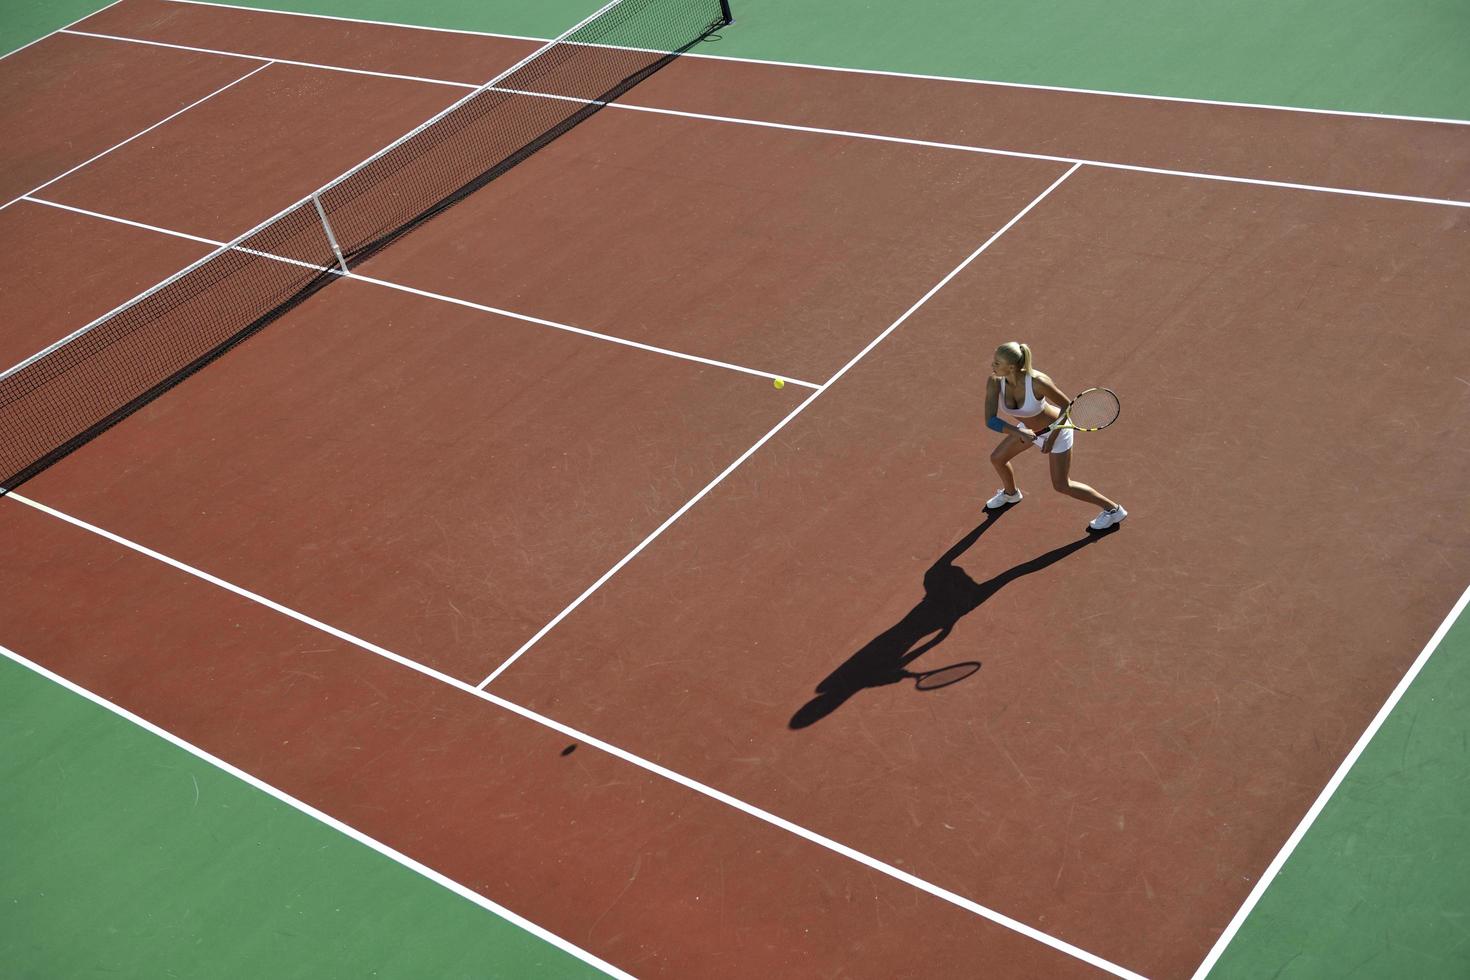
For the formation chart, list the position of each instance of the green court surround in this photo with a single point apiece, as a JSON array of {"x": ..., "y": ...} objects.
[{"x": 129, "y": 856}]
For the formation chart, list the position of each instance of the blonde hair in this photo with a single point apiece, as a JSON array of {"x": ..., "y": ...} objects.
[{"x": 1016, "y": 353}]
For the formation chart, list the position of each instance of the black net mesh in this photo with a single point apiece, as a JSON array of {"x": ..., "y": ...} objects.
[
  {"x": 57, "y": 401},
  {"x": 496, "y": 128}
]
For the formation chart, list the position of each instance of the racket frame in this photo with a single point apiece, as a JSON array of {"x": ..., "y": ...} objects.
[{"x": 1064, "y": 420}]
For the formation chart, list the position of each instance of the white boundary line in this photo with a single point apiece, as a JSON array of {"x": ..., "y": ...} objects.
[
  {"x": 81, "y": 331},
  {"x": 525, "y": 317},
  {"x": 777, "y": 428},
  {"x": 875, "y": 71},
  {"x": 651, "y": 767},
  {"x": 1285, "y": 853},
  {"x": 785, "y": 378},
  {"x": 43, "y": 37},
  {"x": 311, "y": 811},
  {"x": 359, "y": 20},
  {"x": 279, "y": 61},
  {"x": 1215, "y": 953},
  {"x": 1276, "y": 863},
  {"x": 320, "y": 190},
  {"x": 992, "y": 151},
  {"x": 847, "y": 133},
  {"x": 120, "y": 221},
  {"x": 141, "y": 132}
]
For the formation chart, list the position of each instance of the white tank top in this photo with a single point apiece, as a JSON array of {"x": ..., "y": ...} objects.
[{"x": 1030, "y": 407}]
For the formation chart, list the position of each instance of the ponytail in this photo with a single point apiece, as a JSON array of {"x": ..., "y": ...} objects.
[{"x": 1018, "y": 354}]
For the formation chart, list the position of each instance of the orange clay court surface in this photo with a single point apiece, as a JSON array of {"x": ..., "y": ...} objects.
[{"x": 428, "y": 485}]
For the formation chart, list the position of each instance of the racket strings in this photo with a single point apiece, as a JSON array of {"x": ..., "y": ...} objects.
[{"x": 1094, "y": 409}]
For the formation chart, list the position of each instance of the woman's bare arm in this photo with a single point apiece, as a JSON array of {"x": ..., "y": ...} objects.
[
  {"x": 1049, "y": 389},
  {"x": 992, "y": 399},
  {"x": 992, "y": 411}
]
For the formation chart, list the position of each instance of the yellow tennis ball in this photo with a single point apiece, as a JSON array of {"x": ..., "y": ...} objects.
[{"x": 779, "y": 383}]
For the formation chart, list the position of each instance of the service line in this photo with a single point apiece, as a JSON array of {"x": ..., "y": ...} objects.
[
  {"x": 141, "y": 132},
  {"x": 876, "y": 137},
  {"x": 743, "y": 806},
  {"x": 775, "y": 429},
  {"x": 427, "y": 294}
]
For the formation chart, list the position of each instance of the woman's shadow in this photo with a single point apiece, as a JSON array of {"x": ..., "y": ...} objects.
[{"x": 948, "y": 595}]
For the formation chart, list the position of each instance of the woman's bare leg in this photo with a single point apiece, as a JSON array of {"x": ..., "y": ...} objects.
[
  {"x": 1061, "y": 481},
  {"x": 1000, "y": 457}
]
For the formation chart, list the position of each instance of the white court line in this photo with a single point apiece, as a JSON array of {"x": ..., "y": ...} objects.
[
  {"x": 279, "y": 61},
  {"x": 88, "y": 328},
  {"x": 875, "y": 71},
  {"x": 74, "y": 23},
  {"x": 524, "y": 317},
  {"x": 359, "y": 20},
  {"x": 121, "y": 221},
  {"x": 786, "y": 378},
  {"x": 142, "y": 132},
  {"x": 325, "y": 818},
  {"x": 320, "y": 190},
  {"x": 1274, "y": 868},
  {"x": 1100, "y": 164},
  {"x": 872, "y": 137},
  {"x": 576, "y": 735},
  {"x": 777, "y": 428},
  {"x": 992, "y": 151},
  {"x": 1291, "y": 844}
]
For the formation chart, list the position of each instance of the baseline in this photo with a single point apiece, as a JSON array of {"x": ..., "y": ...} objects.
[
  {"x": 69, "y": 99},
  {"x": 1380, "y": 154},
  {"x": 281, "y": 61},
  {"x": 445, "y": 56},
  {"x": 855, "y": 71},
  {"x": 1140, "y": 754}
]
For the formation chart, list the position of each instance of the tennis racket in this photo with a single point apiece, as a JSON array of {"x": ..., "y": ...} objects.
[
  {"x": 929, "y": 680},
  {"x": 1092, "y": 411}
]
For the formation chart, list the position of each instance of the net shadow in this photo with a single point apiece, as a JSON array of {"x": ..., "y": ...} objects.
[{"x": 56, "y": 402}]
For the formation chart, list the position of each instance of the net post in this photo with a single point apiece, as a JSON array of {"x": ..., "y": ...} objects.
[
  {"x": 327, "y": 227},
  {"x": 725, "y": 14}
]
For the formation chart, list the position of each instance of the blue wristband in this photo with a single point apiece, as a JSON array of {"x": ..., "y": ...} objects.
[{"x": 995, "y": 423}]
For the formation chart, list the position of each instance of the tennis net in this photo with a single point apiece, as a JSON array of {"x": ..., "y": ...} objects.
[{"x": 62, "y": 397}]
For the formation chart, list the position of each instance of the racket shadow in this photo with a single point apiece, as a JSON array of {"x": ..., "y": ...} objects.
[{"x": 949, "y": 596}]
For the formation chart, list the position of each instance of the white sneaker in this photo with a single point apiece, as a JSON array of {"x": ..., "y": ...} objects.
[
  {"x": 1107, "y": 519},
  {"x": 1002, "y": 498}
]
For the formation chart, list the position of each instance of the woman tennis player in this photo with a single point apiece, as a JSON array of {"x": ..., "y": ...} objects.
[{"x": 1013, "y": 390}]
